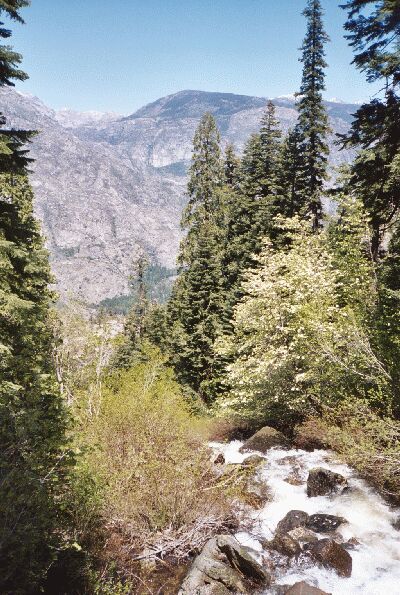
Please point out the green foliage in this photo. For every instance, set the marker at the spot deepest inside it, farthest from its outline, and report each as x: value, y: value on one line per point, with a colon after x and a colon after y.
x: 33, y: 454
x: 375, y: 36
x: 313, y: 120
x: 195, y: 308
x: 298, y: 333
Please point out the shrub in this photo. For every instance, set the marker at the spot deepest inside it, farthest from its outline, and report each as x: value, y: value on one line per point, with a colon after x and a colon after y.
x: 159, y: 493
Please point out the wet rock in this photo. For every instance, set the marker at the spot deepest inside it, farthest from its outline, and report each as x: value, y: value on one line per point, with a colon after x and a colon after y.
x: 304, y: 588
x: 396, y: 524
x: 294, y: 478
x: 209, y: 567
x: 324, y: 523
x: 223, y: 566
x: 293, y: 519
x: 253, y: 461
x: 351, y: 544
x: 285, y: 544
x: 289, y: 460
x: 257, y: 492
x: 278, y: 589
x: 219, y: 459
x: 240, y: 559
x: 332, y: 555
x: 303, y: 536
x: 264, y: 439
x: 323, y: 481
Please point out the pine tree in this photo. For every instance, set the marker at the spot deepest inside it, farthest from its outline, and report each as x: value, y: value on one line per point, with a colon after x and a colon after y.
x: 270, y: 137
x: 374, y: 32
x: 195, y: 308
x: 231, y: 166
x: 33, y: 452
x: 32, y: 419
x: 13, y: 155
x: 313, y: 120
x: 290, y: 180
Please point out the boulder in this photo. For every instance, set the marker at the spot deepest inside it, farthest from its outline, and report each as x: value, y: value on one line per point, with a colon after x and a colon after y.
x: 304, y: 588
x: 285, y: 544
x: 332, y: 555
x: 257, y: 492
x: 240, y: 559
x: 323, y: 481
x: 253, y: 461
x: 303, y: 536
x: 351, y: 544
x: 223, y: 566
x: 264, y: 439
x: 323, y: 523
x: 293, y: 519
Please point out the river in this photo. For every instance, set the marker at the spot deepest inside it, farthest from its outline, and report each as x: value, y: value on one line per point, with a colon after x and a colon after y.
x: 376, y: 560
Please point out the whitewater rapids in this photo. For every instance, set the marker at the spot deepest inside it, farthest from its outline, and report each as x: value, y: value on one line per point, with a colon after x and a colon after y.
x: 376, y: 560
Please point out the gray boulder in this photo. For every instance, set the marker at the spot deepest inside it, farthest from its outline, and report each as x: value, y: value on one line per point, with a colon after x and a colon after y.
x: 303, y: 536
x: 264, y: 439
x: 285, y: 544
x: 293, y: 519
x: 323, y: 481
x: 223, y: 564
x: 253, y: 461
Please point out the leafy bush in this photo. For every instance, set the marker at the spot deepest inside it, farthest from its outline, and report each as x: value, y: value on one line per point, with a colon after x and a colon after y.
x: 300, y: 335
x: 158, y: 490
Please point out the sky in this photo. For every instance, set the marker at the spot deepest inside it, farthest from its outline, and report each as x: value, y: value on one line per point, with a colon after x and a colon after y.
x: 118, y: 55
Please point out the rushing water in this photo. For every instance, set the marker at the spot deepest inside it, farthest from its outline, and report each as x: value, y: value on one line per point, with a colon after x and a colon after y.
x: 376, y: 560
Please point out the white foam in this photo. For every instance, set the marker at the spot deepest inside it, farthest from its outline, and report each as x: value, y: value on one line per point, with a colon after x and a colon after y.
x: 376, y: 561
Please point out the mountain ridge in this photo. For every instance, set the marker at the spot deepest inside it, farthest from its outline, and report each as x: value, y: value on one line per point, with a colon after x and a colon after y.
x: 108, y: 186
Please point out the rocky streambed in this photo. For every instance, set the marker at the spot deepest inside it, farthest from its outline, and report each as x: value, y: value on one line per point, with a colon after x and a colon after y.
x: 321, y: 529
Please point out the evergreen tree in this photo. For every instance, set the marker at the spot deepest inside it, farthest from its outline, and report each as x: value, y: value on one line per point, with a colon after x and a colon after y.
x: 313, y: 120
x: 195, y: 308
x: 290, y: 180
x: 231, y: 166
x: 270, y: 137
x: 32, y: 420
x: 374, y: 32
x: 33, y: 450
x: 13, y: 155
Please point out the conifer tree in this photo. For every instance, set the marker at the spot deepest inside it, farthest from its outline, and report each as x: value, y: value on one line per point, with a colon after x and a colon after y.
x: 290, y: 180
x: 32, y: 420
x: 270, y: 137
x: 231, y: 166
x: 33, y: 452
x: 374, y: 33
x: 195, y: 308
x: 313, y: 120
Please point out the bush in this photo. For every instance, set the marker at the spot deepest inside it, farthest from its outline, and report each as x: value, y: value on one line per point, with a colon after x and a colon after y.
x: 159, y: 493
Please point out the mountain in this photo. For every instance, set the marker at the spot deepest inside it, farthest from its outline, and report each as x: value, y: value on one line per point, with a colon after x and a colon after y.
x: 108, y: 186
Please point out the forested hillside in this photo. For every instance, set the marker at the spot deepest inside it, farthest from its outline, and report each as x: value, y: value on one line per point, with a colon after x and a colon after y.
x: 120, y: 466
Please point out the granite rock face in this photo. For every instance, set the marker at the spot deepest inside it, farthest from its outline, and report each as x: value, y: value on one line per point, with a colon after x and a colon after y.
x: 108, y: 186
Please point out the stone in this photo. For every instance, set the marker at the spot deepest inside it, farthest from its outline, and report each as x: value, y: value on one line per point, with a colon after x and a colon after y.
x: 257, y: 492
x: 303, y: 588
x: 332, y: 555
x: 264, y: 439
x: 294, y: 478
x: 324, y: 523
x: 285, y: 544
x: 321, y: 482
x: 240, y: 559
x: 213, y: 589
x: 303, y: 536
x: 293, y: 519
x: 253, y: 461
x: 209, y: 569
x: 219, y: 459
x: 351, y: 544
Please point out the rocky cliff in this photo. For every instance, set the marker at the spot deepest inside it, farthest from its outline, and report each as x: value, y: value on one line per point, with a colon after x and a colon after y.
x: 107, y: 186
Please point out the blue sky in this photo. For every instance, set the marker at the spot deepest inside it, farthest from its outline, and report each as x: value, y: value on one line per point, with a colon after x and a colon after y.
x: 117, y: 55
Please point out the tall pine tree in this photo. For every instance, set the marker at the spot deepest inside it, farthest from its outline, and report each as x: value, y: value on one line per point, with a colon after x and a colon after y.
x: 374, y: 33
x: 313, y: 120
x: 33, y: 451
x: 195, y: 308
